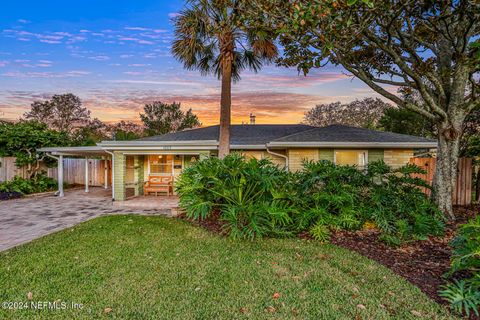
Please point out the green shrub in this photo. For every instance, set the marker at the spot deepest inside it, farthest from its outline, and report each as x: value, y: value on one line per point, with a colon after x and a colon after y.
x: 250, y: 195
x: 255, y: 198
x: 344, y: 197
x: 466, y: 247
x: 40, y: 183
x: 330, y: 196
x: 397, y: 205
x: 464, y: 295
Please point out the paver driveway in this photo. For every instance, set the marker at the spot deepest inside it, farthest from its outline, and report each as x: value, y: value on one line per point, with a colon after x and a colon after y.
x: 23, y: 220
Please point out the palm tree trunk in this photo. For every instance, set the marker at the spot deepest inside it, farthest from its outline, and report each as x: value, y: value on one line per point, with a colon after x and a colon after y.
x: 225, y: 109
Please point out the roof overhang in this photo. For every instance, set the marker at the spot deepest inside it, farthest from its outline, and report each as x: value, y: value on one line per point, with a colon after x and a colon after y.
x: 326, y: 144
x: 248, y: 147
x: 158, y: 145
x: 94, y: 151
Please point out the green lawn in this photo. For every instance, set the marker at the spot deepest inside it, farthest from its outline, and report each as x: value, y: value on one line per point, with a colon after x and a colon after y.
x: 160, y: 268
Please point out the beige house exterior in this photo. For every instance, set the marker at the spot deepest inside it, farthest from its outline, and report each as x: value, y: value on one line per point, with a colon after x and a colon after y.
x: 288, y: 146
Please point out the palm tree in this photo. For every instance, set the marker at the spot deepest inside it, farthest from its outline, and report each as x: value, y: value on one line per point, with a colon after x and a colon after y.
x: 210, y: 36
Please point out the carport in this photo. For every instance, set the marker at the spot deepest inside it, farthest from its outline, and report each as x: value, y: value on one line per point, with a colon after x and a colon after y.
x: 92, y: 152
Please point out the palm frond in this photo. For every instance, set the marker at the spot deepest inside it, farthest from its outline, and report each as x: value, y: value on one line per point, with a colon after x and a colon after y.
x: 201, y: 26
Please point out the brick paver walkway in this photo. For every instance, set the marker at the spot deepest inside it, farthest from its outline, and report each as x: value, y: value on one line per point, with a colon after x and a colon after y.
x: 23, y: 220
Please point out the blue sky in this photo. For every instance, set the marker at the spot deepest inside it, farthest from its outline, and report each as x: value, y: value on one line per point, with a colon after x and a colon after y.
x: 115, y: 55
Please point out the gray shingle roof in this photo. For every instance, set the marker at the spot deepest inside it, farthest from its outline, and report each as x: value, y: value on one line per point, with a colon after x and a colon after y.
x: 258, y: 134
x: 282, y: 136
x: 341, y: 133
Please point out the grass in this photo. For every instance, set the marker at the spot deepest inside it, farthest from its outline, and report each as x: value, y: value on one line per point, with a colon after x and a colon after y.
x: 136, y: 267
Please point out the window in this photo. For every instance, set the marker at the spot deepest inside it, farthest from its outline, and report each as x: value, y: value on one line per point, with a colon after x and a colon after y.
x: 160, y: 164
x: 351, y: 157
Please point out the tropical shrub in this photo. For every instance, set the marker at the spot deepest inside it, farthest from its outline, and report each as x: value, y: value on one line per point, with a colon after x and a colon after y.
x: 464, y: 294
x: 398, y: 207
x: 39, y: 183
x: 255, y: 198
x: 330, y: 197
x: 249, y: 194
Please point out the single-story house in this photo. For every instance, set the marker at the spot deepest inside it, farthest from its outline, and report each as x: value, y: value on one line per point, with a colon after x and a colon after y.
x: 285, y: 144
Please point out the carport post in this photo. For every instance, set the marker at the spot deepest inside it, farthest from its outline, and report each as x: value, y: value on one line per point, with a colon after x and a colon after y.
x: 60, y: 176
x: 86, y: 174
x: 106, y: 172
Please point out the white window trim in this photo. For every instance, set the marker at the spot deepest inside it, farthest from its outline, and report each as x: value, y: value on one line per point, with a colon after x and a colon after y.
x: 350, y: 150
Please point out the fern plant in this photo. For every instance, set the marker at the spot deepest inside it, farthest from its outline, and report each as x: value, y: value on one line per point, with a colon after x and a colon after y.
x: 255, y: 198
x: 464, y: 295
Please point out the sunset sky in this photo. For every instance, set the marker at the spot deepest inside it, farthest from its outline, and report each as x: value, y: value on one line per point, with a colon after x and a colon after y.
x: 115, y: 55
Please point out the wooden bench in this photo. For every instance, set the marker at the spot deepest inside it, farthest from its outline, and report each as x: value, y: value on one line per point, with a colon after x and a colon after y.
x: 156, y: 184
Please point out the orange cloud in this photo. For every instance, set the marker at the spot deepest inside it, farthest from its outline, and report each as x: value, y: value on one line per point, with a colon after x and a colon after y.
x: 115, y: 105
x: 269, y: 107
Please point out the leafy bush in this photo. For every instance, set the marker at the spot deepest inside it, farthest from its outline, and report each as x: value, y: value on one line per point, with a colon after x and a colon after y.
x: 343, y: 197
x: 39, y: 183
x: 464, y: 295
x: 397, y: 205
x: 330, y: 196
x: 255, y: 198
x: 248, y: 193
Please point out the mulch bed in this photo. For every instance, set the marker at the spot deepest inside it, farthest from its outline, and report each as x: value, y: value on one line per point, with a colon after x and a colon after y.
x: 423, y: 263
x: 10, y: 195
x: 212, y: 223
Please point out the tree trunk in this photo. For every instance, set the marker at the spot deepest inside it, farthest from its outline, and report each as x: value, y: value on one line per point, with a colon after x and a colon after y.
x: 446, y: 170
x: 477, y: 186
x: 225, y: 106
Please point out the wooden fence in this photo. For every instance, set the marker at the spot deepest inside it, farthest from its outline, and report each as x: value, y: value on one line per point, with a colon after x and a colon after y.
x: 74, y: 172
x: 462, y: 195
x: 8, y: 169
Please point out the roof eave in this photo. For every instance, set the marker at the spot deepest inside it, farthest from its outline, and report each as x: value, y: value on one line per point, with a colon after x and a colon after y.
x: 247, y: 146
x: 74, y: 151
x: 153, y: 143
x: 354, y: 144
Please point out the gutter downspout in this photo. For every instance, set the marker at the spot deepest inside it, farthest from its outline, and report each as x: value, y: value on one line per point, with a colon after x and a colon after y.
x: 278, y: 155
x: 59, y: 159
x: 113, y: 173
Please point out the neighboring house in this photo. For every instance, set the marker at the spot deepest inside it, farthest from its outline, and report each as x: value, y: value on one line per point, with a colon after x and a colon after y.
x: 287, y: 145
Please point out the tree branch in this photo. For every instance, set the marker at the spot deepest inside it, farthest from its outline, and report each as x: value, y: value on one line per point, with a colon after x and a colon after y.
x: 405, y: 68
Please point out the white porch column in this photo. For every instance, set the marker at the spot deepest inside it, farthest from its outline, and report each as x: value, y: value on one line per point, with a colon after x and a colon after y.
x: 106, y: 172
x: 60, y: 176
x: 86, y: 174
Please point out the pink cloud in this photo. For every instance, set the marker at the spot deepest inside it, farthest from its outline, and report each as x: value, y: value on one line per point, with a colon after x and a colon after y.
x: 100, y: 58
x: 145, y: 42
x: 128, y: 39
x: 137, y: 28
x: 17, y: 74
x: 50, y: 41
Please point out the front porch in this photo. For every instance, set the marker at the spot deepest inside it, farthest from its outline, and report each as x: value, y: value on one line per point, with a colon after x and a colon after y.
x: 126, y: 172
x: 132, y: 170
